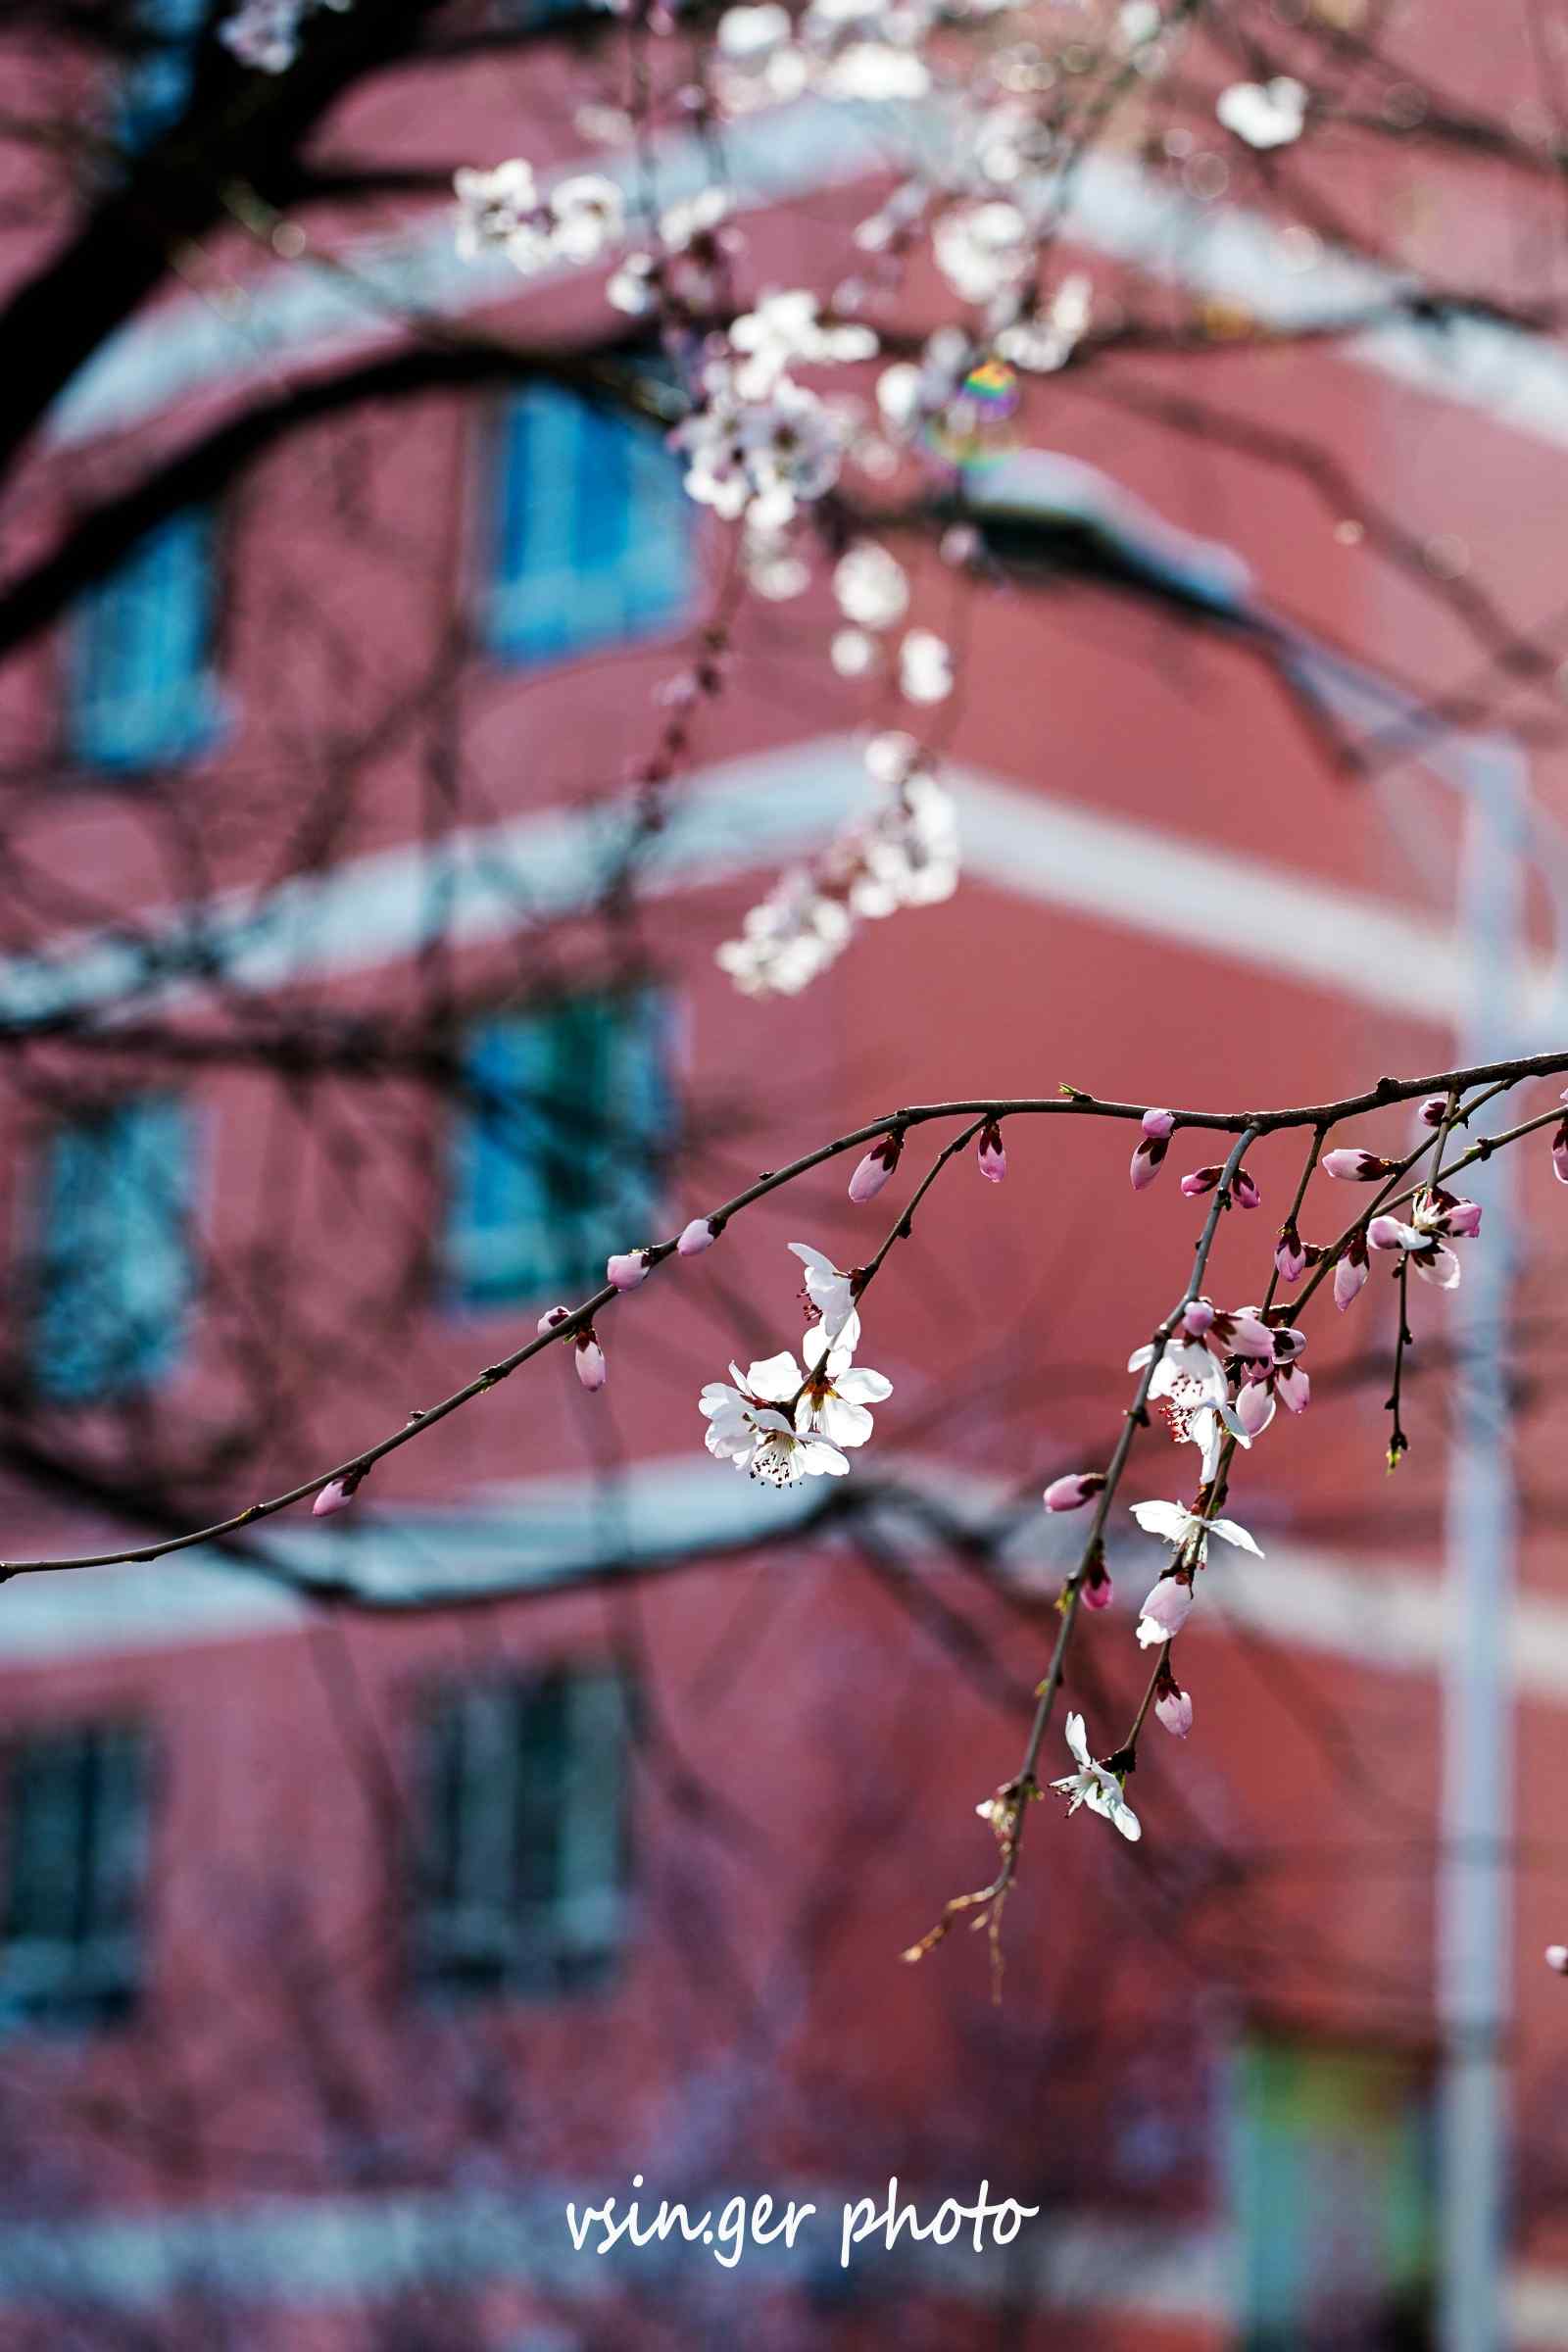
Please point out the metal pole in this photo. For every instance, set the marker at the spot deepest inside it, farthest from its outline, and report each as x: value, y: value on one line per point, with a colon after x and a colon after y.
x: 1474, y: 1922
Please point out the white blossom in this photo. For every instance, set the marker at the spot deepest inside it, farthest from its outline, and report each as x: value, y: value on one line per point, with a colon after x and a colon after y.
x: 749, y: 1424
x: 1092, y: 1785
x: 984, y: 250
x: 1264, y: 113
x: 1189, y: 1530
x: 925, y: 667
x: 832, y: 1294
x: 871, y: 586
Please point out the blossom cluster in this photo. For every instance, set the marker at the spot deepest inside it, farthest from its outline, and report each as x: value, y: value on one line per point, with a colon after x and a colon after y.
x: 572, y: 223
x: 904, y: 854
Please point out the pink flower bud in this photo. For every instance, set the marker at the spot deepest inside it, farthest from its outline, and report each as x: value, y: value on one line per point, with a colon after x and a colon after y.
x: 1174, y: 1707
x: 552, y: 1319
x: 1242, y: 1333
x: 1558, y: 1958
x: 1352, y: 1166
x: 1290, y: 1258
x: 1351, y: 1274
x: 1071, y: 1492
x: 627, y: 1269
x: 1099, y: 1589
x: 1202, y: 1180
x: 1433, y: 1110
x: 993, y: 1158
x: 336, y: 1496
x: 1167, y: 1609
x: 1559, y: 1153
x: 1148, y: 1160
x: 698, y: 1236
x: 1159, y: 1125
x: 1198, y: 1319
x: 1293, y: 1389
x: 1462, y: 1218
x: 1386, y: 1233
x: 1245, y: 1193
x: 1255, y: 1406
x: 875, y: 1168
x: 592, y: 1370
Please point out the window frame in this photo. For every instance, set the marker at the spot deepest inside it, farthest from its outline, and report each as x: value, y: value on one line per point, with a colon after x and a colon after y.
x: 160, y: 1361
x: 115, y: 731
x: 92, y: 1976
x: 474, y: 1929
x: 550, y: 1229
x: 561, y: 608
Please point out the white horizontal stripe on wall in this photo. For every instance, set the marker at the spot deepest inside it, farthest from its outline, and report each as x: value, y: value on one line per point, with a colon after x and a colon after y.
x: 539, y: 1534
x: 487, y: 883
x: 297, y: 312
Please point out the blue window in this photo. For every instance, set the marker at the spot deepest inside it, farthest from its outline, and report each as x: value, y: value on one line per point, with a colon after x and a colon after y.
x: 73, y: 1843
x: 558, y: 1153
x: 593, y: 535
x: 523, y: 1851
x: 113, y: 1263
x: 141, y: 690
x: 157, y: 86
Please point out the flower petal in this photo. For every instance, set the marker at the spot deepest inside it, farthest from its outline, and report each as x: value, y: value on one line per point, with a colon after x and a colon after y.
x: 1167, y: 1519
x: 1230, y: 1533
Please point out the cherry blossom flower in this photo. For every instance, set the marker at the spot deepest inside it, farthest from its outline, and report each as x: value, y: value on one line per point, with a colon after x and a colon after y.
x: 871, y: 586
x: 1173, y: 1705
x: 626, y: 1269
x: 1041, y: 342
x: 494, y: 206
x: 1559, y: 1151
x: 1097, y: 1590
x: 749, y: 1425
x: 1190, y: 1389
x: 1167, y: 1605
x: 832, y: 1294
x: 698, y: 1236
x: 1072, y: 1491
x: 587, y: 215
x: 1284, y: 1382
x: 925, y: 667
x: 1150, y: 1157
x: 1094, y: 1785
x: 1292, y: 1255
x: 766, y: 455
x: 905, y: 855
x: 1244, y: 1192
x: 983, y: 250
x: 1437, y: 1216
x: 1189, y: 1532
x: 836, y: 1393
x: 876, y: 1167
x: 912, y: 395
x: 1266, y: 113
x: 785, y: 327
x: 1353, y: 1167
x: 592, y: 1369
x: 1558, y: 1958
x: 992, y: 1157
x: 688, y: 268
x: 1351, y: 1273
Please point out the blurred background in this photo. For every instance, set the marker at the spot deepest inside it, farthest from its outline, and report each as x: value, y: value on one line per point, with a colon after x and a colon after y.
x: 387, y: 745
